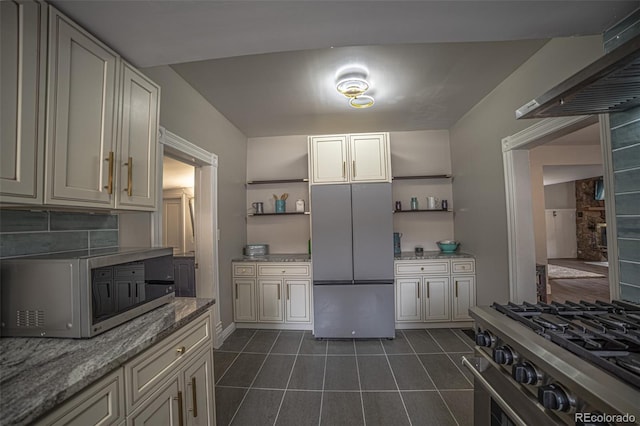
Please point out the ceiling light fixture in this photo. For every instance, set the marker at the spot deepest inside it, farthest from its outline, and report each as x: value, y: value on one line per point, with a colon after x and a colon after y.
x: 362, y: 101
x: 354, y: 89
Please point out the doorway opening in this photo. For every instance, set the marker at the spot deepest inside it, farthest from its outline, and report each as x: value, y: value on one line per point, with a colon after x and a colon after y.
x: 549, y: 144
x: 198, y: 211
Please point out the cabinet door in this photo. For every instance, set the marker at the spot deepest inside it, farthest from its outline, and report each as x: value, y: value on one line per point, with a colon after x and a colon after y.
x: 185, y: 276
x: 270, y: 301
x: 464, y: 297
x: 22, y: 83
x: 328, y: 159
x: 369, y: 157
x: 163, y: 407
x: 436, y: 298
x: 408, y: 306
x: 298, y: 300
x: 245, y: 300
x: 81, y: 111
x: 137, y: 140
x: 199, y: 392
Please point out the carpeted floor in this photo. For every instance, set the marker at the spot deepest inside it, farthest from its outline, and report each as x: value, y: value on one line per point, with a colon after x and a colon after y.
x: 560, y: 272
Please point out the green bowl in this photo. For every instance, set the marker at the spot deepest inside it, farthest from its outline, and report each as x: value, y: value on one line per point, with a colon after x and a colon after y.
x: 448, y: 246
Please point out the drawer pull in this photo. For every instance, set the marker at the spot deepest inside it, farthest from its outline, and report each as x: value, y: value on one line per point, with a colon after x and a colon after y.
x: 422, y: 268
x: 181, y: 350
x: 283, y: 272
x: 180, y: 409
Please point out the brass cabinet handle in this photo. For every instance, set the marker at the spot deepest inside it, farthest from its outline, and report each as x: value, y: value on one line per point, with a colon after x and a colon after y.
x: 353, y: 168
x: 422, y: 268
x: 428, y: 295
x: 418, y: 290
x: 109, y: 186
x: 194, y: 396
x: 344, y: 169
x: 181, y: 350
x: 288, y: 291
x: 236, y: 291
x: 278, y: 292
x: 456, y: 288
x: 180, y: 409
x: 129, y: 187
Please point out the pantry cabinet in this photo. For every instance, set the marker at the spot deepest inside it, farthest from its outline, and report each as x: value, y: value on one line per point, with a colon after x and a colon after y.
x: 350, y: 158
x: 94, y: 142
x: 434, y: 290
x: 276, y: 293
x: 22, y: 84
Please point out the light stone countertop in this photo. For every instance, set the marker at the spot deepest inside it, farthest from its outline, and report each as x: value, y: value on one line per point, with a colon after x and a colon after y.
x: 294, y: 257
x: 436, y: 254
x: 37, y: 374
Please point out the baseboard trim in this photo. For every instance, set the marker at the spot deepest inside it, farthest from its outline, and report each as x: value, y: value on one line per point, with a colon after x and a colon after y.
x: 223, y: 334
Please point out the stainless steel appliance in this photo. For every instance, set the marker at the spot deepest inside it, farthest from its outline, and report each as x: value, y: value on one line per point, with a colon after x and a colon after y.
x: 352, y: 260
x: 559, y: 363
x: 82, y: 294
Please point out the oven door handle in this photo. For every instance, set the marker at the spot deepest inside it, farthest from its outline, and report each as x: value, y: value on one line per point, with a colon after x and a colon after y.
x: 477, y: 374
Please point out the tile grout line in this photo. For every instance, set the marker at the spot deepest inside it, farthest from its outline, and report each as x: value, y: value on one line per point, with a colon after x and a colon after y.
x: 286, y: 387
x: 257, y: 374
x: 434, y: 383
x: 324, y: 379
x: 235, y: 358
x: 364, y: 417
x: 455, y: 363
x: 386, y: 355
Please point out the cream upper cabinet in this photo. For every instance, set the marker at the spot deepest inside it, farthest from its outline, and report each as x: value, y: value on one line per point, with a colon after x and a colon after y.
x: 22, y: 83
x: 370, y: 159
x: 350, y: 158
x: 137, y: 141
x: 328, y: 159
x: 81, y: 116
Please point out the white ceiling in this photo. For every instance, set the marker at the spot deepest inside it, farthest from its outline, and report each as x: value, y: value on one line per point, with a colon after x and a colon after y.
x: 559, y: 174
x: 176, y: 174
x: 420, y: 76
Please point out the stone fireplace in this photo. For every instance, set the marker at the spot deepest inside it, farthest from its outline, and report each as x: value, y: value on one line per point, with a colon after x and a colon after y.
x: 591, y: 222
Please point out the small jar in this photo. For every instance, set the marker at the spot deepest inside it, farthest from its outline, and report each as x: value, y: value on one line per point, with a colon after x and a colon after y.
x: 414, y: 203
x: 445, y: 205
x: 300, y: 206
x: 398, y: 206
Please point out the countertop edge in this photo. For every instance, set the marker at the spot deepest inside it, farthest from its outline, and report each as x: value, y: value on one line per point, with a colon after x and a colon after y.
x: 29, y: 413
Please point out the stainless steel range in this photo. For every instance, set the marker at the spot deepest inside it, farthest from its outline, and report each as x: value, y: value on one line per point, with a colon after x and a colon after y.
x: 559, y: 363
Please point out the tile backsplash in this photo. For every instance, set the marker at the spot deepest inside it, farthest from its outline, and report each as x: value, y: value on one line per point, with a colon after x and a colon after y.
x: 26, y: 232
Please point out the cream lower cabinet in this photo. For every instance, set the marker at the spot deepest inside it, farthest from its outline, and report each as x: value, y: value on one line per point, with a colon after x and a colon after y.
x: 277, y: 293
x: 170, y: 383
x: 429, y: 290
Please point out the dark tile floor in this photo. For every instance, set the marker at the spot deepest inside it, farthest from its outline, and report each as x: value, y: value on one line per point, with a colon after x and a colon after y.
x: 266, y: 377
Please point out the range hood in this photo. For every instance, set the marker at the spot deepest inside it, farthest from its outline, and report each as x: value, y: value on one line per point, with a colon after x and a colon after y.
x: 610, y: 84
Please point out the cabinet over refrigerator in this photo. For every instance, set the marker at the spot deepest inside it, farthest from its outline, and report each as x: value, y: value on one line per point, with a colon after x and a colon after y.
x: 352, y: 259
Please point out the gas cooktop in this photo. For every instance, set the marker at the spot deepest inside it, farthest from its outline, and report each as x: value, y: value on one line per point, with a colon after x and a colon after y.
x: 605, y: 334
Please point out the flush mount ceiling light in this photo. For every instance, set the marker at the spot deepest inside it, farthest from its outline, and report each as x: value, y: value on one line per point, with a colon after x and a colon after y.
x: 362, y: 101
x: 354, y: 89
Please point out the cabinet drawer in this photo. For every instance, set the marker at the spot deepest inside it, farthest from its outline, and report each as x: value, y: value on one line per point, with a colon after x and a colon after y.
x: 244, y: 270
x: 103, y: 273
x: 283, y: 270
x: 463, y: 266
x: 156, y: 364
x: 129, y: 272
x: 101, y: 403
x: 420, y: 268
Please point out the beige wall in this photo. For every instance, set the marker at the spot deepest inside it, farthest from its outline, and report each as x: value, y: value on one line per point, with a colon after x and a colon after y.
x: 186, y: 113
x: 476, y: 156
x: 560, y: 196
x: 553, y: 156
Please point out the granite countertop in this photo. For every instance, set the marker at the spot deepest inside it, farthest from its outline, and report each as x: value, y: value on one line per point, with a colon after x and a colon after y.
x: 294, y: 257
x: 37, y: 374
x: 436, y: 254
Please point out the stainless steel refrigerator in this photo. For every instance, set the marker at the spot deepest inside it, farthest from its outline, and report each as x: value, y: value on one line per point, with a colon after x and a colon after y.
x: 352, y: 260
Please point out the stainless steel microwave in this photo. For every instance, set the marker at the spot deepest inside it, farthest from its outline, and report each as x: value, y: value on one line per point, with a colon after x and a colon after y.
x: 85, y: 293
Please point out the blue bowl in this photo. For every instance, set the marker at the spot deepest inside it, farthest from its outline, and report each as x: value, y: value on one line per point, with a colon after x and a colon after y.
x: 448, y: 246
